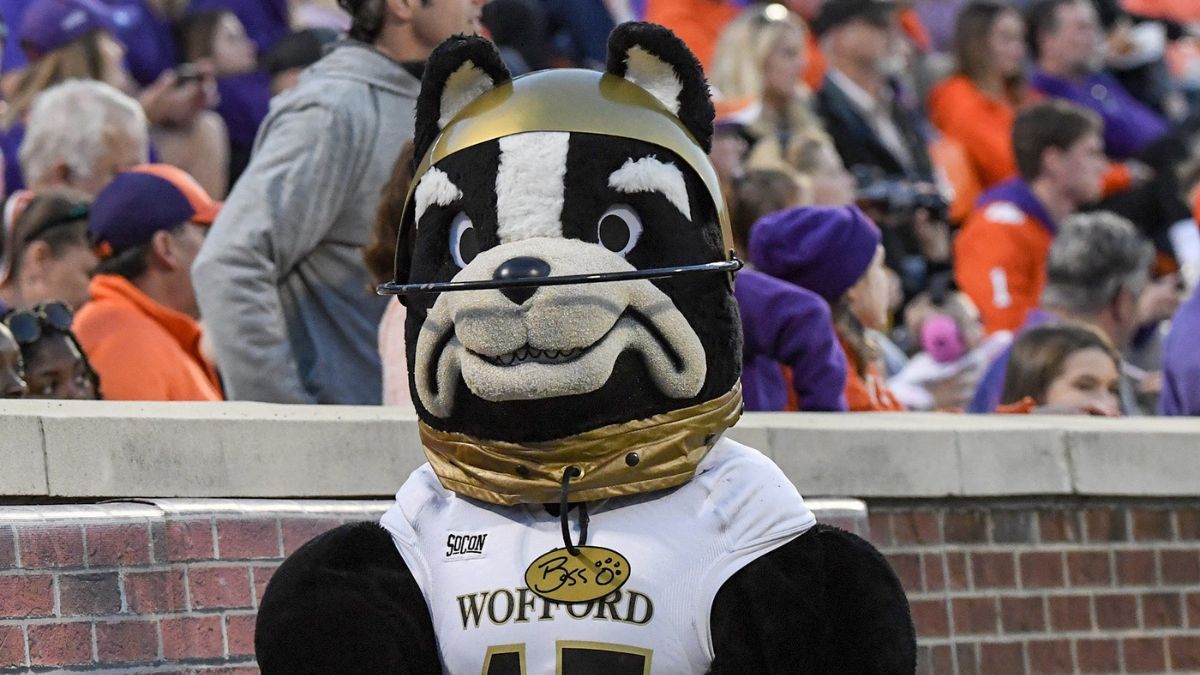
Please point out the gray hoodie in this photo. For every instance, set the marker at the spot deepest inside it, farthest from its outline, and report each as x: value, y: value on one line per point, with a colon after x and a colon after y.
x: 280, y: 279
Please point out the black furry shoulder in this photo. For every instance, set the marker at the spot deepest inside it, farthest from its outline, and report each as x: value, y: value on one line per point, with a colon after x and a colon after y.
x: 345, y: 602
x: 826, y: 602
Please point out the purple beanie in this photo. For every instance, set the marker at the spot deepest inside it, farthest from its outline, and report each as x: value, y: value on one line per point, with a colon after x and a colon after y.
x: 823, y: 249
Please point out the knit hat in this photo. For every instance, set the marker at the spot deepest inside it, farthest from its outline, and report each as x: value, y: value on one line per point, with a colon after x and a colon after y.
x: 53, y: 24
x: 824, y: 249
x: 144, y: 200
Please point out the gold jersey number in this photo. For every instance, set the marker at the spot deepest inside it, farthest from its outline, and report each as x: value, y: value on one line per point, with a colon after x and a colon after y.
x: 572, y: 658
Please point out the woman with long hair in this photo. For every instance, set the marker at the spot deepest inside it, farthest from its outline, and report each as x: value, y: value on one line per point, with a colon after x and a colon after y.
x: 1066, y: 369
x: 758, y: 64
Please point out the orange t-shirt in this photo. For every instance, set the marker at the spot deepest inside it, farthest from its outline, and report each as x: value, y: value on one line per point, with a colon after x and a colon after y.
x: 869, y: 394
x: 697, y: 22
x: 1000, y: 263
x: 1181, y: 11
x: 142, y: 350
x: 982, y: 124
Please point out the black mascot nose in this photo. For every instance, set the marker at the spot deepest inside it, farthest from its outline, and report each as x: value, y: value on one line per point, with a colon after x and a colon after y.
x: 521, y: 268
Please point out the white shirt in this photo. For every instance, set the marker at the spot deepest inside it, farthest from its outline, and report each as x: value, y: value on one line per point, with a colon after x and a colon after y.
x: 469, y: 559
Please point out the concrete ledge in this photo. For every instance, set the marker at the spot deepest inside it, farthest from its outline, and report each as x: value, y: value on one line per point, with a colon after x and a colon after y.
x: 92, y: 450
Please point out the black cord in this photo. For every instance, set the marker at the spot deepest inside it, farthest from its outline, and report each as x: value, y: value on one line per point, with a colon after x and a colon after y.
x: 563, y: 507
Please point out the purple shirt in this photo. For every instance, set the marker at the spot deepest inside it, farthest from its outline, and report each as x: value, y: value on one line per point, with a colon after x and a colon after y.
x: 991, y: 387
x: 786, y: 324
x: 1129, y: 125
x: 245, y: 100
x: 12, y: 11
x: 1181, y: 362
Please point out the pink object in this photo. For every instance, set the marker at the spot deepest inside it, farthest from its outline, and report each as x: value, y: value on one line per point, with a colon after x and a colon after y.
x: 942, y: 339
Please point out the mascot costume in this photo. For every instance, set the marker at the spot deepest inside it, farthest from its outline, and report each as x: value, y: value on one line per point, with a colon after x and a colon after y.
x: 574, y: 349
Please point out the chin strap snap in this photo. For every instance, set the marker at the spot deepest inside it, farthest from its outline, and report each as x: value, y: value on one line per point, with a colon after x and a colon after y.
x: 569, y: 473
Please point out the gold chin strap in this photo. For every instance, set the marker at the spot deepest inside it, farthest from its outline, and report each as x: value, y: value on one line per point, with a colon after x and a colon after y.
x: 621, y: 459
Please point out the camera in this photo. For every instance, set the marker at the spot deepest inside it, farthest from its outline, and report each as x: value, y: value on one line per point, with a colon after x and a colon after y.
x: 897, y: 198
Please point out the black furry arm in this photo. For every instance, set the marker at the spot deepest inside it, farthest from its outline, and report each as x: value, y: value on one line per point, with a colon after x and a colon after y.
x: 826, y: 602
x: 345, y: 602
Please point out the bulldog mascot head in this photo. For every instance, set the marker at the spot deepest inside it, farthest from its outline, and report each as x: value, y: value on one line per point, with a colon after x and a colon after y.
x: 573, y: 344
x: 566, y: 262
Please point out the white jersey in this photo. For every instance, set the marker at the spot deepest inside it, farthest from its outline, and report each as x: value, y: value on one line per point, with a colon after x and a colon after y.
x: 469, y: 559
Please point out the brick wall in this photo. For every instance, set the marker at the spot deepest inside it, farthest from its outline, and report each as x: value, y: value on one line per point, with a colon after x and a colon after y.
x: 1048, y: 587
x: 139, y: 588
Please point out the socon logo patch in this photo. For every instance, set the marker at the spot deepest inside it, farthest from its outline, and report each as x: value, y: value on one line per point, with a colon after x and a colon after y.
x: 464, y: 546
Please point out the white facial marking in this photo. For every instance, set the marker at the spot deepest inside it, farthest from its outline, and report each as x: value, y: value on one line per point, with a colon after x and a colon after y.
x: 655, y: 76
x: 530, y: 185
x: 435, y: 188
x: 463, y: 86
x: 650, y: 175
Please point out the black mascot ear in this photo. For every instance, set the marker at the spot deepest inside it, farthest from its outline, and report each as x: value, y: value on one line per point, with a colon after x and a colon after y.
x: 651, y: 57
x: 458, y: 71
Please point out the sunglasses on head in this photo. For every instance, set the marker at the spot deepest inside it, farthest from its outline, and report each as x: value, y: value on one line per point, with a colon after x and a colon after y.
x: 28, y: 325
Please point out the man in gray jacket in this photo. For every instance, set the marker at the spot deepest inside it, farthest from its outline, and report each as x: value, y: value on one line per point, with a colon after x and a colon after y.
x: 280, y: 280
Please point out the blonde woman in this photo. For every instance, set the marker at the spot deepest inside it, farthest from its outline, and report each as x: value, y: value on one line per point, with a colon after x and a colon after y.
x: 758, y: 64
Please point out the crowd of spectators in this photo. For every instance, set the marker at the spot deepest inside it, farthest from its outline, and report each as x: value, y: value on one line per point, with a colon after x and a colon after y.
x: 953, y: 205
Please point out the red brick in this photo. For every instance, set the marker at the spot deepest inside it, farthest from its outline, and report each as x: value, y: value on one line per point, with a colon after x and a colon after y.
x: 60, y: 644
x: 262, y: 575
x: 930, y: 618
x: 907, y: 567
x: 1144, y: 655
x: 974, y: 615
x: 1012, y: 527
x: 192, y: 637
x: 1004, y: 658
x: 1097, y: 656
x: 1051, y: 656
x: 1193, y: 609
x: 155, y: 592
x: 26, y: 596
x: 1089, y: 568
x: 1151, y: 525
x: 8, y: 548
x: 89, y: 594
x: 916, y: 527
x: 239, y: 631
x: 12, y: 647
x: 879, y: 524
x: 242, y: 539
x: 1189, y: 524
x: 1180, y: 567
x: 1136, y: 568
x: 219, y: 587
x: 935, y: 573
x: 1022, y: 615
x: 1070, y: 612
x: 1059, y: 526
x: 956, y: 568
x: 1041, y: 569
x: 939, y: 659
x: 118, y: 545
x: 55, y: 546
x: 188, y: 540
x: 245, y: 670
x: 993, y: 570
x: 298, y: 531
x: 1185, y: 652
x: 965, y: 527
x: 126, y: 641
x: 1116, y: 611
x: 1106, y: 525
x: 1161, y: 610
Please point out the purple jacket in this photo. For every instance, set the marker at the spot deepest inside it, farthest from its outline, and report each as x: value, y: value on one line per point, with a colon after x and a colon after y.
x: 1181, y: 362
x: 1129, y: 126
x: 788, y: 325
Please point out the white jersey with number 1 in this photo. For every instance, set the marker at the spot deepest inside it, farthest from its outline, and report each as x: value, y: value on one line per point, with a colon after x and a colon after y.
x: 681, y: 545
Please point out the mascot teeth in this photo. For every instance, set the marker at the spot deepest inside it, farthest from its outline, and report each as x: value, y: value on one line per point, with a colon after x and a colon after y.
x: 530, y: 354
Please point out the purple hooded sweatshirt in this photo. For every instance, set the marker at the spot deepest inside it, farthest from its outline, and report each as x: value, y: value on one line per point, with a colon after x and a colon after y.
x: 1181, y: 363
x: 1129, y: 126
x: 785, y: 324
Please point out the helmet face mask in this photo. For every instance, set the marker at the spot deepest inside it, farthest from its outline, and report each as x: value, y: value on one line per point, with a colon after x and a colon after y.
x: 508, y: 204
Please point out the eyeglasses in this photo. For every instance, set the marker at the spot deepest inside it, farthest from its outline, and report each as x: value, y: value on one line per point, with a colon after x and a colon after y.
x: 27, y: 325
